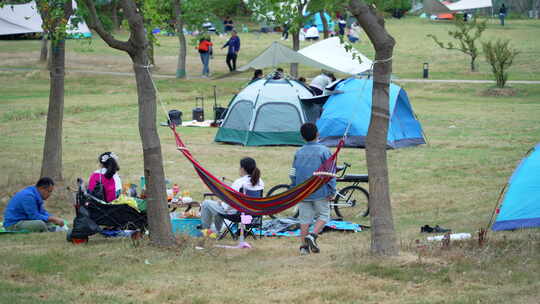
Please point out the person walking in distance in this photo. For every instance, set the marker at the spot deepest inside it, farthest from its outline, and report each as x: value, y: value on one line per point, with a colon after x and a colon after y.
x: 232, y: 53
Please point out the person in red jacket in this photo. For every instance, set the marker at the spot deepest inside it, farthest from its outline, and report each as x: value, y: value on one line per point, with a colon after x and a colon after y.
x: 205, y: 51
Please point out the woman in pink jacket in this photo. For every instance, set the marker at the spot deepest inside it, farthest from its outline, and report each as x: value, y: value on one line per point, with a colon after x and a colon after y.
x: 108, y: 176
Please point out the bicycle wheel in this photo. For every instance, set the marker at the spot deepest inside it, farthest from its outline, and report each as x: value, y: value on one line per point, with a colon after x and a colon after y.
x: 351, y: 203
x: 285, y: 213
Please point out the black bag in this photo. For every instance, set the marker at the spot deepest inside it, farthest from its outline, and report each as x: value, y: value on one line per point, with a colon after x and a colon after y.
x: 98, y: 191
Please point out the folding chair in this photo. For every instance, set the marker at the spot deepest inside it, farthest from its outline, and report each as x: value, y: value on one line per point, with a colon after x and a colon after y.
x: 233, y: 228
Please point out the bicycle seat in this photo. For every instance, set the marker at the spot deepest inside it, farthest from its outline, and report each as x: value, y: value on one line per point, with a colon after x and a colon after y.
x: 362, y: 178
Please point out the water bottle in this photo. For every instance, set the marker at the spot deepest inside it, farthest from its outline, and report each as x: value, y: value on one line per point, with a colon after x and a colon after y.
x: 143, y: 183
x: 175, y: 190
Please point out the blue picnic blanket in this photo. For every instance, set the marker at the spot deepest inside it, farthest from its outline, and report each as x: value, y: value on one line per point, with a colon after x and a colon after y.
x: 291, y: 227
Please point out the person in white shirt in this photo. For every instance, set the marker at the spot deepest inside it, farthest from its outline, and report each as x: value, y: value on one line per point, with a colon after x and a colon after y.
x: 312, y: 33
x: 354, y: 33
x: 250, y: 180
x: 319, y: 83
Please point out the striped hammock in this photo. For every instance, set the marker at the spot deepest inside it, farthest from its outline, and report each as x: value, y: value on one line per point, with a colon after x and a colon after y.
x: 262, y: 205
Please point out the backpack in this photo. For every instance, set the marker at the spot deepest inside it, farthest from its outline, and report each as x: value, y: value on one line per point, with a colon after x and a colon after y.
x: 99, y: 190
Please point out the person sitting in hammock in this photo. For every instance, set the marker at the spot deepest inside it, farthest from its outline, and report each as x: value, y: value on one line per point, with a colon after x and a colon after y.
x: 250, y: 180
x: 108, y: 177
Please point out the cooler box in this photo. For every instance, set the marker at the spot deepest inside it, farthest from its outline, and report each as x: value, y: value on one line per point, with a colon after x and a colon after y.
x: 198, y: 114
x: 186, y: 226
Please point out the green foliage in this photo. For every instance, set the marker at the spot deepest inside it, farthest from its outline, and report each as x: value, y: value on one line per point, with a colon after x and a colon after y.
x: 500, y: 56
x: 391, y: 5
x: 54, y: 21
x: 224, y: 8
x: 280, y: 12
x: 466, y: 34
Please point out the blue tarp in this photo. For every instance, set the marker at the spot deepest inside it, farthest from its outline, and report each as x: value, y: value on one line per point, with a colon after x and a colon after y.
x: 353, y: 106
x: 289, y: 227
x: 520, y: 207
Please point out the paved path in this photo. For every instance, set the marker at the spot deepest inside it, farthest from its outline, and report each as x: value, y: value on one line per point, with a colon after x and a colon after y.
x: 242, y: 78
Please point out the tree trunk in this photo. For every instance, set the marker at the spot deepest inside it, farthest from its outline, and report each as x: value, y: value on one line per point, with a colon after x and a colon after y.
x: 114, y: 15
x: 156, y: 198
x: 473, y: 64
x: 179, y: 26
x: 44, y: 48
x: 326, y: 32
x: 296, y: 47
x: 158, y: 211
x: 296, y: 34
x: 383, y: 238
x: 137, y: 48
x: 150, y: 49
x: 51, y: 165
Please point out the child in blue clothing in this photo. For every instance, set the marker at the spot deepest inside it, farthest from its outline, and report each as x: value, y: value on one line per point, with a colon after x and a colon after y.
x: 316, y: 206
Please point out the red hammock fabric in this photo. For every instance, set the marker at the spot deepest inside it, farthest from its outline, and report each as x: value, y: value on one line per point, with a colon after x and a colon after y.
x: 262, y: 205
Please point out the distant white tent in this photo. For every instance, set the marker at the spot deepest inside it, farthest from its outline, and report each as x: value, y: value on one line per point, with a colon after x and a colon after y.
x: 469, y: 4
x: 333, y: 54
x: 25, y: 18
x: 277, y: 53
x: 436, y: 7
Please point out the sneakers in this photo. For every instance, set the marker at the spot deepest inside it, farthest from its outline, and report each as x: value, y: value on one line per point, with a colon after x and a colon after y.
x: 436, y: 229
x: 304, y: 250
x: 311, y: 241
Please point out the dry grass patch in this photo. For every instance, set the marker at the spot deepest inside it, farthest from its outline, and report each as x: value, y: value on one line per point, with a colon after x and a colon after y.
x: 500, y: 92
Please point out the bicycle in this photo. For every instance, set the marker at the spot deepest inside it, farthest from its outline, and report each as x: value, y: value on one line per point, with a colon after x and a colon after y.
x: 349, y: 203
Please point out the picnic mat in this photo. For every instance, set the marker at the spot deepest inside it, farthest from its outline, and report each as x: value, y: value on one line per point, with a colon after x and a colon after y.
x: 291, y: 227
x: 4, y: 231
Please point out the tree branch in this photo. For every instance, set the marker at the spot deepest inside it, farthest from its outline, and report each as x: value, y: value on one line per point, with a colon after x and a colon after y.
x: 68, y: 10
x: 135, y: 19
x: 95, y: 24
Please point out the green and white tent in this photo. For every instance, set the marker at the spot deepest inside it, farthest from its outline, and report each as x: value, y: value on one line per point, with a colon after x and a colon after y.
x: 267, y: 112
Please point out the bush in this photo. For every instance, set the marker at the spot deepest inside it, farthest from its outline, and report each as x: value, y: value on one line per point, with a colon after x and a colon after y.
x: 500, y: 56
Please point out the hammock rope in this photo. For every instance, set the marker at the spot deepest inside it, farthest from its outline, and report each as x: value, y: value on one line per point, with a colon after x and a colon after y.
x: 261, y: 205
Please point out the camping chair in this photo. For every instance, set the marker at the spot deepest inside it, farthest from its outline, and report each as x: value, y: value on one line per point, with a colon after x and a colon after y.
x: 232, y: 227
x: 92, y: 214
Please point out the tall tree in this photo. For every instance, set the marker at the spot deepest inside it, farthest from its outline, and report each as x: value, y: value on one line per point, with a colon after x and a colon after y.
x: 55, y: 15
x: 383, y: 236
x: 137, y: 48
x: 182, y: 50
x: 326, y: 31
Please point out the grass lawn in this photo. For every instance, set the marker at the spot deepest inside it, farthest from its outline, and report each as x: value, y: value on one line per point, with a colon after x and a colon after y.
x: 475, y: 142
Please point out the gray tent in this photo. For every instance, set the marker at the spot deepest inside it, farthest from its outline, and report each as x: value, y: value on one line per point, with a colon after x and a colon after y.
x: 278, y: 53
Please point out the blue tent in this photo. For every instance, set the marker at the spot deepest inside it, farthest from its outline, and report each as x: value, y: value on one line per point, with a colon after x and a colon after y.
x: 521, y: 203
x: 316, y: 19
x: 354, y: 106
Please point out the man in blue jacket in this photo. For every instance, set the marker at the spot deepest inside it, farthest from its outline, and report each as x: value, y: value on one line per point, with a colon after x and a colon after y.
x: 316, y: 206
x: 26, y: 210
x: 232, y: 53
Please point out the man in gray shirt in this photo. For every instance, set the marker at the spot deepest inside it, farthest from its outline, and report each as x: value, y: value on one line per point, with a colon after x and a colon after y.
x: 316, y: 206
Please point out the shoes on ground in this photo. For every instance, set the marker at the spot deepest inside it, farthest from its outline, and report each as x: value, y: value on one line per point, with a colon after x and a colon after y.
x: 311, y: 240
x: 304, y: 250
x: 436, y: 229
